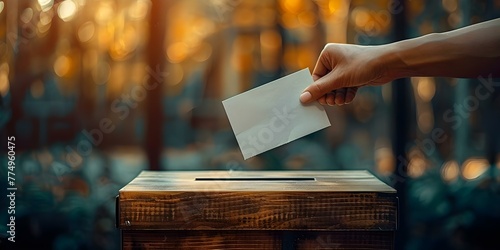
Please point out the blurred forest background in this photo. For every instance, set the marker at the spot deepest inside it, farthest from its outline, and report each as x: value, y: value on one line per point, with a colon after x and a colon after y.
x: 97, y: 90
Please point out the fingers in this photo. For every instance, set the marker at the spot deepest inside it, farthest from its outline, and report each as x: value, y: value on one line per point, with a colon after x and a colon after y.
x: 322, y: 100
x: 332, y: 77
x: 322, y: 77
x: 338, y: 97
x: 323, y: 65
x: 330, y: 99
x: 350, y: 94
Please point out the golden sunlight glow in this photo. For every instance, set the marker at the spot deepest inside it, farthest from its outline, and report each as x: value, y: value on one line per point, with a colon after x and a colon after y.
x: 203, y: 53
x: 360, y: 17
x: 308, y: 18
x: 304, y: 57
x: 333, y: 8
x: 81, y: 2
x: 46, y: 17
x: 62, y: 66
x: 1, y: 6
x: 450, y: 170
x: 4, y: 83
x: 242, y: 59
x: 104, y: 35
x: 42, y: 28
x: 139, y: 9
x: 67, y: 10
x: 426, y: 88
x: 44, y: 21
x: 202, y: 27
x: 267, y: 17
x: 245, y: 17
x: 117, y: 78
x: 86, y: 31
x: 270, y: 39
x: 138, y: 72
x: 124, y: 44
x: 4, y: 67
x: 46, y: 5
x: 384, y: 158
x: 130, y: 38
x: 370, y: 21
x: 340, y: 9
x: 177, y: 52
x: 26, y: 15
x: 176, y: 74
x: 118, y: 50
x: 293, y: 6
x: 474, y: 167
x: 104, y: 13
x: 289, y: 20
x: 416, y: 167
x: 334, y: 5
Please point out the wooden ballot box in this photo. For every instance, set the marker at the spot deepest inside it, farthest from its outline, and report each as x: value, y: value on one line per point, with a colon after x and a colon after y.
x: 257, y: 210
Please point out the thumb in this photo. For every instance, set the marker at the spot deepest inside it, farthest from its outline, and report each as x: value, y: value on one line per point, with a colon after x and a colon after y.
x: 319, y: 88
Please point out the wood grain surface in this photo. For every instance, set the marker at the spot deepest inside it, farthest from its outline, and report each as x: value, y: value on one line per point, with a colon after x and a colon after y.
x: 154, y: 239
x: 331, y: 201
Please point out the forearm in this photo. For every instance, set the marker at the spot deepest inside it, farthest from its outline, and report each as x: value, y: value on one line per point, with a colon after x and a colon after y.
x: 464, y: 53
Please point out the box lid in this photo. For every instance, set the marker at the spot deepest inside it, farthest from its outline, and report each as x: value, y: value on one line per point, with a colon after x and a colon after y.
x: 257, y: 200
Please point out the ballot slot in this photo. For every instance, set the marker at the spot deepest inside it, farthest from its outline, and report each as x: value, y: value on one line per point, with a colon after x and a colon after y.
x: 255, y: 179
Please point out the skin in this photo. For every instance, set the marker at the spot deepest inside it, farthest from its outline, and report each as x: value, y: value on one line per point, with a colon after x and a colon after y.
x: 341, y: 69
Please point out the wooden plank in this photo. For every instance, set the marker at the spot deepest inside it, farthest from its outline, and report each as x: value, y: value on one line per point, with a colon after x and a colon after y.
x: 200, y: 240
x: 337, y: 200
x: 246, y: 210
x: 345, y: 240
x: 153, y: 239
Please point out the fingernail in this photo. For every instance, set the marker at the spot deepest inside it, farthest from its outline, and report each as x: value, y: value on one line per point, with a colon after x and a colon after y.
x: 305, y: 97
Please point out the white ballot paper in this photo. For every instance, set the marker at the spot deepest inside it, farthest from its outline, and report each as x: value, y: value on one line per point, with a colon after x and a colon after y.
x: 271, y: 115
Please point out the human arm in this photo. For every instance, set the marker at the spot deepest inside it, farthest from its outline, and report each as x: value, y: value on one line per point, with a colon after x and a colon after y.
x: 342, y: 68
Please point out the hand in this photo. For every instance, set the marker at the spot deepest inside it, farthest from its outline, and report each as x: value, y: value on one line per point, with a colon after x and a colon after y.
x: 341, y: 69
